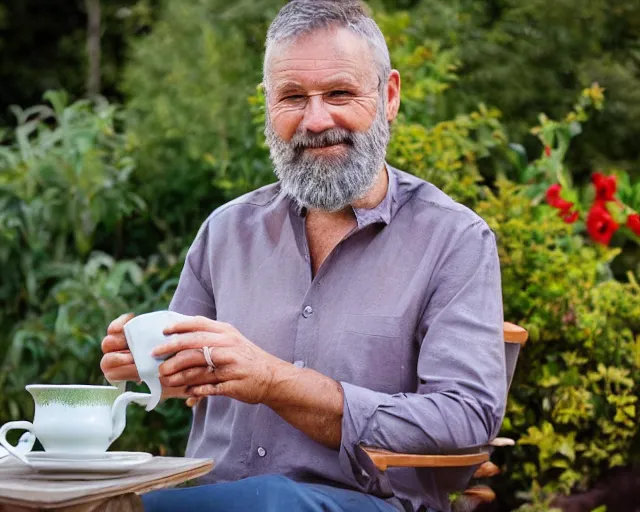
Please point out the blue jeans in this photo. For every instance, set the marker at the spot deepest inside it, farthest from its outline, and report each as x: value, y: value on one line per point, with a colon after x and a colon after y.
x: 268, y: 493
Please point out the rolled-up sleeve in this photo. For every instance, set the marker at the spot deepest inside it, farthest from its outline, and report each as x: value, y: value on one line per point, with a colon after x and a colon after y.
x: 460, y: 399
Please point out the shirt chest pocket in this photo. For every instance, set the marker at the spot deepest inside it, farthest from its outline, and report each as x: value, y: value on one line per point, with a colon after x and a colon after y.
x: 372, y: 352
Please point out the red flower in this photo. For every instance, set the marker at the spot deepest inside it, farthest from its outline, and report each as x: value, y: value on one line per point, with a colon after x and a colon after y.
x: 547, y: 151
x: 570, y: 217
x: 633, y: 223
x: 600, y: 224
x: 554, y: 199
x: 605, y: 186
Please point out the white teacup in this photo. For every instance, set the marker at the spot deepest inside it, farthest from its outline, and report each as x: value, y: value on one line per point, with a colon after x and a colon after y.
x: 74, y: 419
x: 143, y: 334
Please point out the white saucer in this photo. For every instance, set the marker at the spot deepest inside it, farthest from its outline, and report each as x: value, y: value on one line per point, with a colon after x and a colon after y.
x: 108, y: 462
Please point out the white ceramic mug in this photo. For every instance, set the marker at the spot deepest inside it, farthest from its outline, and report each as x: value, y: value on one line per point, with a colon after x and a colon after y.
x: 143, y: 334
x: 74, y: 419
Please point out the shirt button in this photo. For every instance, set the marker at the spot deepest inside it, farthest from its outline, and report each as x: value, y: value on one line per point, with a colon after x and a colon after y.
x: 307, y: 312
x: 299, y: 364
x: 261, y: 451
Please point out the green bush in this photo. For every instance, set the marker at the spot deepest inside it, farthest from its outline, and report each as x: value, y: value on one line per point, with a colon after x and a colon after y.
x: 536, y: 56
x: 65, y: 181
x: 572, y: 405
x: 63, y: 176
x: 187, y: 84
x: 447, y: 154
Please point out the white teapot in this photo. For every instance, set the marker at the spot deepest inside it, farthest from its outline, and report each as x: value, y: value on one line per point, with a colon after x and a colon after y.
x: 74, y: 419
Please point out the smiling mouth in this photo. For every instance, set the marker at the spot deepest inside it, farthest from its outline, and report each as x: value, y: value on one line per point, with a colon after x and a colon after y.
x: 327, y: 149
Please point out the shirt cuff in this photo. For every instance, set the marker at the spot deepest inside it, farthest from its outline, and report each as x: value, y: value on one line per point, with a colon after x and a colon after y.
x: 359, y: 407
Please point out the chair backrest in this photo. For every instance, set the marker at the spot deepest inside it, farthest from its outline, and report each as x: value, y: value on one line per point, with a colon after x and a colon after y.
x: 514, y: 338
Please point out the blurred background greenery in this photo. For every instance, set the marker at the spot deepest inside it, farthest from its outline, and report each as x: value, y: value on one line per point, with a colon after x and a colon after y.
x: 124, y: 123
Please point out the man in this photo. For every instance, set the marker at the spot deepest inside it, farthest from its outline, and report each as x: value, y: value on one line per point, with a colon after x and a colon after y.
x: 349, y: 304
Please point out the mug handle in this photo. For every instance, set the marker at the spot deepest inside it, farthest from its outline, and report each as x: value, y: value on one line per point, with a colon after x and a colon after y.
x: 14, y: 425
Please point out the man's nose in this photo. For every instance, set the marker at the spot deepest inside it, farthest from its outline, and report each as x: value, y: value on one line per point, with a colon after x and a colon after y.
x: 316, y: 117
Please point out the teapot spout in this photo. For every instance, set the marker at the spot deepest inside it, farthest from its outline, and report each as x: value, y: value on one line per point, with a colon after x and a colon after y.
x: 119, y: 410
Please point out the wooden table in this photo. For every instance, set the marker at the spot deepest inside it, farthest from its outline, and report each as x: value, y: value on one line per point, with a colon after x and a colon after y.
x: 22, y: 489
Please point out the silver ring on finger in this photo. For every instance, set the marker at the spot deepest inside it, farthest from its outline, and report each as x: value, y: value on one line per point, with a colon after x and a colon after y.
x: 206, y: 351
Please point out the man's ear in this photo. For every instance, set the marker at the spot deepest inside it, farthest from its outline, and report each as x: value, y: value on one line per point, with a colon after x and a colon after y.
x: 394, y: 85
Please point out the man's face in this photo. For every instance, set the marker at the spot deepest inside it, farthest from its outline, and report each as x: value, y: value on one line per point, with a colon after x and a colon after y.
x: 327, y: 122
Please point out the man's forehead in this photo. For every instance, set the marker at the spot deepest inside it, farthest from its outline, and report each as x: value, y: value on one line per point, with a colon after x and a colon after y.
x: 325, y: 51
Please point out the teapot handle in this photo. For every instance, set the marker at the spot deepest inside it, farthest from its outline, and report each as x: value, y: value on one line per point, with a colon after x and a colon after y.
x: 14, y: 425
x: 119, y: 410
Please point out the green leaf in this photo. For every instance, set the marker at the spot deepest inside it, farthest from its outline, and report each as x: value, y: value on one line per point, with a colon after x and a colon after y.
x: 520, y: 152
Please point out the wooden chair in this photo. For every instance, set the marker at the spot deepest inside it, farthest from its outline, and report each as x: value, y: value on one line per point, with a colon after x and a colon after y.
x: 515, y: 337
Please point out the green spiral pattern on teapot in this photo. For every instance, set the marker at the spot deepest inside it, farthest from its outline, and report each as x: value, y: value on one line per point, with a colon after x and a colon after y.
x: 74, y: 397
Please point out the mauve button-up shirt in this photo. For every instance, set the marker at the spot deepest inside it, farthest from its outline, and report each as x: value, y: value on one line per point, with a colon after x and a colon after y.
x: 406, y: 313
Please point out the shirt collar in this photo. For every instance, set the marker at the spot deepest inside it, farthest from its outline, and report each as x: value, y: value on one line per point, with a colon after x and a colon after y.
x: 366, y: 216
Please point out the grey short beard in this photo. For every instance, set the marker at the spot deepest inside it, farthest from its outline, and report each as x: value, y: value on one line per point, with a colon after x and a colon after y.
x: 330, y: 183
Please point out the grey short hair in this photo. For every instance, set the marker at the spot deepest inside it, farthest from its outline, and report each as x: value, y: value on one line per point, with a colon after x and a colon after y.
x: 300, y: 17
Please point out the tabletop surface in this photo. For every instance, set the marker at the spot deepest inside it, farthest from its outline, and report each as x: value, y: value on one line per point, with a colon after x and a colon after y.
x: 21, y: 485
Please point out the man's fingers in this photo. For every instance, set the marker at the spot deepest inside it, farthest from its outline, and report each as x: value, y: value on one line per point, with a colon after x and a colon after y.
x: 197, y: 323
x: 220, y: 389
x: 115, y: 360
x: 194, y: 358
x: 192, y: 401
x: 193, y: 377
x: 114, y: 343
x: 181, y: 361
x: 191, y: 340
x: 117, y: 325
x: 206, y: 390
x: 122, y: 373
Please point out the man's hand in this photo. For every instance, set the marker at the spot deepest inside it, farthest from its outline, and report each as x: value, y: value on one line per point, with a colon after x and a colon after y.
x: 308, y: 400
x: 242, y: 369
x: 117, y: 363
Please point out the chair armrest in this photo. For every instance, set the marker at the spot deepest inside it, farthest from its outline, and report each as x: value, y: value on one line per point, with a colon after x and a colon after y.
x: 487, y: 470
x: 482, y: 493
x: 384, y: 459
x: 500, y: 442
x: 514, y: 333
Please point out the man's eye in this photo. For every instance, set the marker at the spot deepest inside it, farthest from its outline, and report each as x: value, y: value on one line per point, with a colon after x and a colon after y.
x: 339, y: 94
x: 294, y: 97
